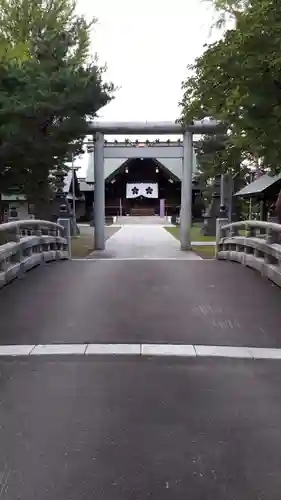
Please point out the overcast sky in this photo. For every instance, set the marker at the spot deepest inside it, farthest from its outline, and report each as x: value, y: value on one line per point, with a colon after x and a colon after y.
x: 147, y: 46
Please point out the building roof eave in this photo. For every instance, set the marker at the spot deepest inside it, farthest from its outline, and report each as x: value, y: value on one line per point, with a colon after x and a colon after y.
x: 258, y: 187
x: 112, y: 165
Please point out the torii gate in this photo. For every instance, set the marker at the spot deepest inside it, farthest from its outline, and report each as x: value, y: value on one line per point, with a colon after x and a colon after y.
x: 99, y: 129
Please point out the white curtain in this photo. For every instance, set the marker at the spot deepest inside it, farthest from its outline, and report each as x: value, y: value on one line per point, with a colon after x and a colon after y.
x: 148, y: 190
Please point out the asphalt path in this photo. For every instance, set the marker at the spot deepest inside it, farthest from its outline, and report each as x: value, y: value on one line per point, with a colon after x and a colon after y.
x: 118, y: 427
x: 131, y: 429
x: 191, y: 302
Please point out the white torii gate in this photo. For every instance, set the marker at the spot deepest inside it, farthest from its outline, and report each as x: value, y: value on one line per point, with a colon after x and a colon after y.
x: 99, y: 129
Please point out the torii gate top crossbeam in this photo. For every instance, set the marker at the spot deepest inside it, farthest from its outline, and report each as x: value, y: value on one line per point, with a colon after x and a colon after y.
x: 154, y: 128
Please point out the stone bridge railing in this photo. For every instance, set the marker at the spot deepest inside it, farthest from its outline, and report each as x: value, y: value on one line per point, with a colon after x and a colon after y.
x: 255, y: 244
x: 28, y: 243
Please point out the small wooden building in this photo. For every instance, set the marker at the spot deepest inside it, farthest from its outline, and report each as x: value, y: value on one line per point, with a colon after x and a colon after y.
x: 14, y: 205
x: 264, y: 192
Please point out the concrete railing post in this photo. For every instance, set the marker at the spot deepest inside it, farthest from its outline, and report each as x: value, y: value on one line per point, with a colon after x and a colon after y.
x: 66, y: 223
x: 272, y: 236
x: 219, y: 224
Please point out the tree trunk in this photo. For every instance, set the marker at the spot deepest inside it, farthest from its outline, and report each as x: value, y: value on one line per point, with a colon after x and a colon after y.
x: 38, y: 194
x: 42, y: 208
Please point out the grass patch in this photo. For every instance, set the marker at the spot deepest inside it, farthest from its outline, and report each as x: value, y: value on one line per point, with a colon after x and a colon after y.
x: 196, y: 234
x: 207, y: 252
x: 82, y: 246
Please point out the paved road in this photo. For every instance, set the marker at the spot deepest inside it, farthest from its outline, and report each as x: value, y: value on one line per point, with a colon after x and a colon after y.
x: 115, y: 428
x: 193, y: 302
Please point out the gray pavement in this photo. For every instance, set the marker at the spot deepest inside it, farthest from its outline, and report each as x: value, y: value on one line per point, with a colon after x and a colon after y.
x: 123, y: 429
x: 193, y: 302
x: 144, y: 242
x: 119, y: 427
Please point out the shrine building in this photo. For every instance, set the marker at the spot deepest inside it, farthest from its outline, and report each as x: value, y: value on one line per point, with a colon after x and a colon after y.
x: 141, y: 178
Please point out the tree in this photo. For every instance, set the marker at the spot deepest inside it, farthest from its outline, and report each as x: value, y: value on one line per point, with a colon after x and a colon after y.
x: 49, y: 87
x: 229, y: 10
x: 24, y: 22
x: 216, y: 154
x: 237, y: 79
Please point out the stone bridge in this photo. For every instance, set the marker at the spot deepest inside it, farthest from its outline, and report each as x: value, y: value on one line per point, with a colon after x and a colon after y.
x: 130, y: 377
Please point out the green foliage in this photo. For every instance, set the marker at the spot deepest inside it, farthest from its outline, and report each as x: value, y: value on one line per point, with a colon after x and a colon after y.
x: 237, y: 79
x: 229, y: 9
x: 217, y: 154
x: 49, y: 86
x: 25, y: 23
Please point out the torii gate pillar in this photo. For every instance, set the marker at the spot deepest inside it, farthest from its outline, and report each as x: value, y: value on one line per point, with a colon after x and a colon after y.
x: 186, y: 192
x: 99, y: 204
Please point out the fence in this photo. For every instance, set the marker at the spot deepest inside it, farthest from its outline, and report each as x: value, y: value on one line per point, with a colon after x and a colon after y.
x: 255, y: 244
x: 29, y: 243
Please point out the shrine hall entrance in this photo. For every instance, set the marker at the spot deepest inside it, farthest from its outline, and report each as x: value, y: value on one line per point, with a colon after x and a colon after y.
x: 141, y: 206
x: 142, y: 187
